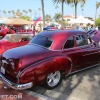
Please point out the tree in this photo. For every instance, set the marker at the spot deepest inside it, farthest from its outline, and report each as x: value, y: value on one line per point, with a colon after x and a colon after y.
x: 30, y: 12
x: 4, y: 13
x: 13, y: 13
x: 48, y: 18
x: 9, y: 13
x: 18, y: 13
x: 39, y: 11
x: 57, y: 17
x: 57, y: 8
x: 24, y: 12
x: 75, y: 2
x: 98, y: 22
x: 35, y: 12
x: 62, y: 3
x: 43, y: 12
x: 82, y: 6
x: 25, y: 18
x: 97, y: 6
x: 72, y: 6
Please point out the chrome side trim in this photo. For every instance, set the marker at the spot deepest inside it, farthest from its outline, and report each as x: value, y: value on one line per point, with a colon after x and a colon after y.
x: 84, y: 68
x: 14, y: 85
x: 91, y: 53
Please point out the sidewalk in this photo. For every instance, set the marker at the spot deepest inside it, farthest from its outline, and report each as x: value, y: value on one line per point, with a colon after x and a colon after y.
x: 10, y: 94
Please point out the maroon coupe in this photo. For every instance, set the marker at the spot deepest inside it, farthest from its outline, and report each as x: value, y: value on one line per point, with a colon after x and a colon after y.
x: 48, y: 57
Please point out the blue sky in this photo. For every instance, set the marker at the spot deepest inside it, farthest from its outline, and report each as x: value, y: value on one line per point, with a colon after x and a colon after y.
x: 89, y: 8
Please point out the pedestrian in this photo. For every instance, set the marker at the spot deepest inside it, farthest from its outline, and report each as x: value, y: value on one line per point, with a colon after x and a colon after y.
x: 81, y: 27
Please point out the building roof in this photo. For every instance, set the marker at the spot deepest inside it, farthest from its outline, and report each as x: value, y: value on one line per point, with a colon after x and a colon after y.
x: 67, y: 16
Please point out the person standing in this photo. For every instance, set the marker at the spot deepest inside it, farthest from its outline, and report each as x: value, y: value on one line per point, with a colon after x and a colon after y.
x: 81, y: 27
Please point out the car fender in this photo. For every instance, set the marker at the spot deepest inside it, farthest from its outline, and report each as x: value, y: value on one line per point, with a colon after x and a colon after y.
x: 38, y: 71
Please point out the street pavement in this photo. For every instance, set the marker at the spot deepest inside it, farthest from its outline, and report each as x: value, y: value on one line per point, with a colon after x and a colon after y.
x: 84, y: 85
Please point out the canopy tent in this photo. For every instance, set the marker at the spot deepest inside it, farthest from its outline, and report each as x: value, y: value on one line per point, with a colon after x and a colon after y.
x: 2, y: 21
x: 80, y: 19
x: 17, y: 21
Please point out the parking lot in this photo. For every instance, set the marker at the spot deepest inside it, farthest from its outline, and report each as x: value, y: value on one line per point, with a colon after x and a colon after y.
x: 84, y: 85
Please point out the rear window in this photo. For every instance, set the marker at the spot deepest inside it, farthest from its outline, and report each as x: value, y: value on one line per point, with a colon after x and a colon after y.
x: 42, y: 41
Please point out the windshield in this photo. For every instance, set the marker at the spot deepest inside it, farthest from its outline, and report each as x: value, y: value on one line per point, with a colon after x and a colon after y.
x: 42, y: 41
x: 6, y: 38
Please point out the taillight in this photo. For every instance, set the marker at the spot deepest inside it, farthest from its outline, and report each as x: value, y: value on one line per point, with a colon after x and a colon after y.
x: 19, y: 65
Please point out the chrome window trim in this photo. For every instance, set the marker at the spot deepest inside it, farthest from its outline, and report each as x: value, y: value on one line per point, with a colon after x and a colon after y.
x: 74, y: 44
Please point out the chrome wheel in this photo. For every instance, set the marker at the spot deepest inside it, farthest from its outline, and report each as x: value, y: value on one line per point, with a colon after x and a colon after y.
x: 53, y: 79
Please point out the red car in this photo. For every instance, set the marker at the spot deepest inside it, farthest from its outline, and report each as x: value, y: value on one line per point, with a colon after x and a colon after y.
x: 49, y: 56
x: 13, y: 40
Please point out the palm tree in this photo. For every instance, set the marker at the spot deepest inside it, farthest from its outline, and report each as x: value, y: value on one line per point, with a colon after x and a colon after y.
x: 35, y: 12
x: 57, y: 17
x: 97, y: 6
x: 82, y: 6
x: 75, y: 2
x: 9, y: 13
x: 39, y: 11
x: 18, y: 10
x: 43, y: 12
x: 13, y: 13
x: 48, y: 18
x: 24, y: 11
x: 30, y: 12
x: 62, y: 3
x: 72, y: 6
x: 4, y: 13
x: 57, y: 8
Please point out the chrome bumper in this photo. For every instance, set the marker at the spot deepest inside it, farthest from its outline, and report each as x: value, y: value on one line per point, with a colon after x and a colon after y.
x: 14, y: 85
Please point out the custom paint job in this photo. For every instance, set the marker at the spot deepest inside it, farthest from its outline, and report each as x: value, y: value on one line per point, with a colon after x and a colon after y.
x: 32, y: 63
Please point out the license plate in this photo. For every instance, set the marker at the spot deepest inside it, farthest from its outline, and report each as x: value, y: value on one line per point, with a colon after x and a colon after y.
x: 3, y: 70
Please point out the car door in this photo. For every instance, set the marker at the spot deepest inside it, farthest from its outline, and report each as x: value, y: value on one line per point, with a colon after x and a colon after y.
x: 71, y: 52
x: 79, y: 50
x: 87, y: 50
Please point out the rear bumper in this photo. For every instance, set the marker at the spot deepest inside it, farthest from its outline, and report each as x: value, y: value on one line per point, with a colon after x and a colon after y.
x: 14, y: 85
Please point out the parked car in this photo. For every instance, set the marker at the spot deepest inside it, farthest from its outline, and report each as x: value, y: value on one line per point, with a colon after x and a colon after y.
x: 47, y: 58
x: 13, y: 40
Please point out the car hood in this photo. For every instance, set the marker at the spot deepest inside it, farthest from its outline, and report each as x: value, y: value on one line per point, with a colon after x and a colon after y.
x: 27, y: 54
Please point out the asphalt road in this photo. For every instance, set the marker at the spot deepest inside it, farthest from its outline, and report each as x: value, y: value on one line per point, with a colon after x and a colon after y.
x: 84, y: 85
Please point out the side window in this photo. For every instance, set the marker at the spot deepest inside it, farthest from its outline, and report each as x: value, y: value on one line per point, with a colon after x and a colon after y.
x: 81, y: 40
x: 69, y: 43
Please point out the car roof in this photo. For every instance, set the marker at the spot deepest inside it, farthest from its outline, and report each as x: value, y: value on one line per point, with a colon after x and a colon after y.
x: 60, y: 36
x: 66, y: 33
x: 16, y: 37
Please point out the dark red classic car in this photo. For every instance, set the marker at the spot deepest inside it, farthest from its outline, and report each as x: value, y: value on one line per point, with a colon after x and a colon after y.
x: 49, y: 56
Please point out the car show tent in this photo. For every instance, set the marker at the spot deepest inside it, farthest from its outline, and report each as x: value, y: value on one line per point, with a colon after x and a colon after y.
x: 80, y: 19
x: 17, y: 21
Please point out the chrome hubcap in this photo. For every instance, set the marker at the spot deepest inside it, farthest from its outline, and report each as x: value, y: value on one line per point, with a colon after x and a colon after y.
x: 53, y: 79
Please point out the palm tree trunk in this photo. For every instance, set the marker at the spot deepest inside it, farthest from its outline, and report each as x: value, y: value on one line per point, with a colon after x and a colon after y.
x: 75, y: 10
x: 42, y: 3
x: 62, y: 13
